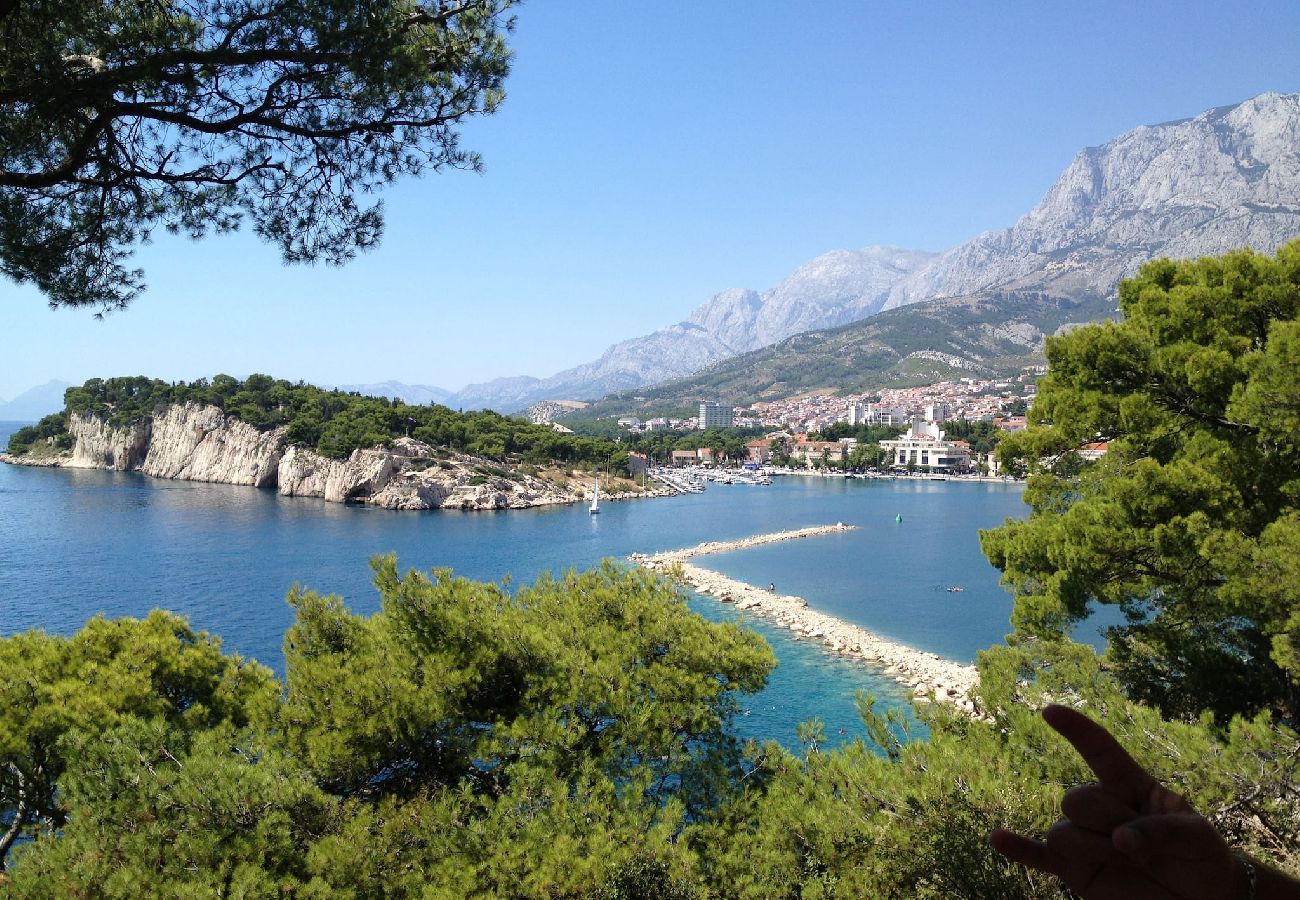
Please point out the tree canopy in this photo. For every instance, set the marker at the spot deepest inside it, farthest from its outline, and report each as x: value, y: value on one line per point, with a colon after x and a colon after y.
x: 568, y: 738
x: 1190, y: 522
x: 119, y: 117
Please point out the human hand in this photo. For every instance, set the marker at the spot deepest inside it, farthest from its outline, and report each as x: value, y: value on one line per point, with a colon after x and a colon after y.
x: 1127, y: 835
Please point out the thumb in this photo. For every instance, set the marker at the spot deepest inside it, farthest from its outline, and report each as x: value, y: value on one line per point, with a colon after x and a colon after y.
x: 1149, y: 839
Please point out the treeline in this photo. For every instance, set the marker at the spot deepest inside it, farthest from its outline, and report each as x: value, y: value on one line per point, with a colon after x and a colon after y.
x: 333, y: 423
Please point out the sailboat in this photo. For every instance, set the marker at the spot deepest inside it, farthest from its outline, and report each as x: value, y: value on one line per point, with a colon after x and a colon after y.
x: 595, y: 499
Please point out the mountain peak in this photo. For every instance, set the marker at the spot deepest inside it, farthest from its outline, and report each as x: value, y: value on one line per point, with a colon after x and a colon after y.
x: 1224, y: 178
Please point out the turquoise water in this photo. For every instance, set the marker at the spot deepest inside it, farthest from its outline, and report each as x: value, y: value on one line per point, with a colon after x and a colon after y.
x: 74, y: 543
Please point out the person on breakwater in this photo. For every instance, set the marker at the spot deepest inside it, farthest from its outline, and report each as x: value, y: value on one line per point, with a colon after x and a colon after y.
x: 771, y: 588
x: 1128, y: 836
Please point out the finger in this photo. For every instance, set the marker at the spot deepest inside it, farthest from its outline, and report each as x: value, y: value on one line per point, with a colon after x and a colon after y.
x: 1026, y: 851
x: 1110, y: 762
x: 1094, y: 807
x: 1083, y: 847
x: 1180, y: 836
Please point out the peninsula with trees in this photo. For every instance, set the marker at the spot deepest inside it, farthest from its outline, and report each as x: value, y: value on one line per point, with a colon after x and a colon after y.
x: 305, y: 441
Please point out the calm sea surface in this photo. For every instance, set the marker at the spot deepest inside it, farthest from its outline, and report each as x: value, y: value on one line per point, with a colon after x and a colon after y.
x: 74, y: 543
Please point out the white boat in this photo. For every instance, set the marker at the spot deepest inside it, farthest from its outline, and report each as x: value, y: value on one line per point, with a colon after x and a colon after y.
x: 595, y: 499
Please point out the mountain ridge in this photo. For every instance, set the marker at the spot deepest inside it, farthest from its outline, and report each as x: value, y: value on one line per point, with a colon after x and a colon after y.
x: 1224, y: 178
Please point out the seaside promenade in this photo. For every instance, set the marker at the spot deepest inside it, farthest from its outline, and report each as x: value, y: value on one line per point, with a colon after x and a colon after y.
x: 927, y: 674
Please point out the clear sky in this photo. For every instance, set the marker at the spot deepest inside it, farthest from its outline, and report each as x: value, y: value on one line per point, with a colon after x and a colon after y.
x: 649, y: 155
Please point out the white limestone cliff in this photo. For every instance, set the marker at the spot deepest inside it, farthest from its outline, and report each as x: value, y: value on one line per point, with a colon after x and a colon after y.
x: 193, y: 442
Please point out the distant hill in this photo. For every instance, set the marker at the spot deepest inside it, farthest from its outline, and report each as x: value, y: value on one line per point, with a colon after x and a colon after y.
x: 413, y: 394
x: 983, y: 336
x: 837, y: 287
x: 32, y: 404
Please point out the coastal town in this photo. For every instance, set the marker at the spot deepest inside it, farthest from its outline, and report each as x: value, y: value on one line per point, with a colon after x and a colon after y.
x: 923, y: 429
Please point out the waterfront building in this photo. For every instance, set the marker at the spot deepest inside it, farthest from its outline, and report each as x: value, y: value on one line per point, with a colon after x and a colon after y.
x: 638, y: 465
x: 924, y: 447
x: 714, y: 415
x: 685, y: 458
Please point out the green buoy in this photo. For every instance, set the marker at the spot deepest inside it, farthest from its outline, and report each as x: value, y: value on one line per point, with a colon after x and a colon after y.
x: 898, y: 518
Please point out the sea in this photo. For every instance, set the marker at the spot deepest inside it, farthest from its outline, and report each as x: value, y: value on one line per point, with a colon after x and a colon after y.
x: 76, y: 543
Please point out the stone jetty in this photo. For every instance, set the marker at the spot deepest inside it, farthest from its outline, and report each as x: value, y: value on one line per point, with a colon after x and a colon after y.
x: 928, y: 675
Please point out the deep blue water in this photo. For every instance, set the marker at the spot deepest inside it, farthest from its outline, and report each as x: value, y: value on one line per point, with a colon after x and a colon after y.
x: 74, y: 543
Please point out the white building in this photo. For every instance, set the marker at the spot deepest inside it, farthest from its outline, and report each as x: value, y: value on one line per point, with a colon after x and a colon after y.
x: 714, y: 415
x: 924, y: 447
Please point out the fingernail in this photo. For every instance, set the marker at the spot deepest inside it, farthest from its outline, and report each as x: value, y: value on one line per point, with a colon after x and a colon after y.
x: 1128, y: 839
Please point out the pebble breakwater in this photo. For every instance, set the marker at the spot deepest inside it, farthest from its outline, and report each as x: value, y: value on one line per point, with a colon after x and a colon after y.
x: 928, y: 675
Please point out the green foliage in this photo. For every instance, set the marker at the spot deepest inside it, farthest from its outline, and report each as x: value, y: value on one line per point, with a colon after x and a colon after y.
x: 1191, y: 522
x: 119, y: 118
x: 570, y: 739
x: 53, y: 428
x: 53, y: 689
x: 983, y: 436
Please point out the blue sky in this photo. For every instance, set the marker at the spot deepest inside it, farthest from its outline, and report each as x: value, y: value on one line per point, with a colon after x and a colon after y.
x: 651, y: 154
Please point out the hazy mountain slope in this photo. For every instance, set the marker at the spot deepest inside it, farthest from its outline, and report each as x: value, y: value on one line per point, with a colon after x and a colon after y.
x: 32, y: 404
x: 1229, y: 177
x: 833, y: 289
x: 838, y: 287
x: 413, y: 394
x: 677, y: 349
x: 982, y: 336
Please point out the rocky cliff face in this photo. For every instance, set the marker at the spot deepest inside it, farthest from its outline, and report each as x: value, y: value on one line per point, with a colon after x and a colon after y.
x: 100, y: 447
x: 201, y: 443
x: 1227, y: 178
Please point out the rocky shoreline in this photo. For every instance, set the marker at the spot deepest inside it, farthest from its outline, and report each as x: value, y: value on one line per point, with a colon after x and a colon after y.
x: 928, y: 675
x: 193, y: 442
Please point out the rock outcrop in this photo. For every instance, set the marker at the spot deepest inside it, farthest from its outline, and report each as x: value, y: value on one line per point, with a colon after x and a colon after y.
x: 1223, y: 179
x: 193, y: 442
x: 98, y: 445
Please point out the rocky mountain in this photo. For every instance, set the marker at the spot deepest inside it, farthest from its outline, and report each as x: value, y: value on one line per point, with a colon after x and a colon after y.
x: 835, y: 288
x: 981, y: 336
x: 1229, y: 177
x: 30, y: 405
x: 840, y: 286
